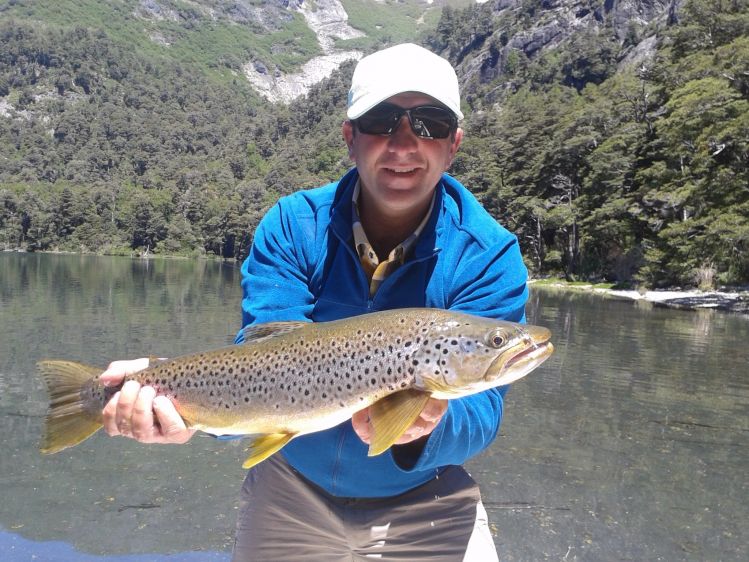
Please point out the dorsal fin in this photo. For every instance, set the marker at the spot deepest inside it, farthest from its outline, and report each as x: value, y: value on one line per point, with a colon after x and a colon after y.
x: 258, y: 332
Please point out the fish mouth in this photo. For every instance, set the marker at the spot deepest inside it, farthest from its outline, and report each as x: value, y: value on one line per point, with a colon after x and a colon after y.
x: 537, y: 351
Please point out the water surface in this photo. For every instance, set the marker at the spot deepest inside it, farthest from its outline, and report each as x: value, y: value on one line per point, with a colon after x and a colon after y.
x: 630, y: 443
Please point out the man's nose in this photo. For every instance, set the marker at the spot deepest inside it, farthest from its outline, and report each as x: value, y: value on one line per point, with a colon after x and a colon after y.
x: 403, y: 138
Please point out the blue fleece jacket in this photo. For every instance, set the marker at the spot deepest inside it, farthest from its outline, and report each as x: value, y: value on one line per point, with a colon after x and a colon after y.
x: 302, y: 266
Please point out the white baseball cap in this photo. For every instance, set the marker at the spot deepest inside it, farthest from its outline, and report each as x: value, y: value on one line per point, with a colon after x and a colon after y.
x: 402, y: 68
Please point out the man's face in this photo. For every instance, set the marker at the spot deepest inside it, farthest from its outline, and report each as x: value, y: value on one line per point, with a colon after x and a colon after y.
x: 400, y: 171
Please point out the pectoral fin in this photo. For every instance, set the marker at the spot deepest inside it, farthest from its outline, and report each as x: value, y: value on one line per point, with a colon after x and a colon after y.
x: 392, y: 416
x: 264, y: 446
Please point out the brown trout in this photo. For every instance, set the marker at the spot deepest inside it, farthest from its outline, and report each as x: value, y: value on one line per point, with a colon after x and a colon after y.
x: 292, y: 378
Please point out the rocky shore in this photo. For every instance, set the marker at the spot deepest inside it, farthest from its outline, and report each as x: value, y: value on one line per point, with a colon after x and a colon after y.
x: 734, y: 300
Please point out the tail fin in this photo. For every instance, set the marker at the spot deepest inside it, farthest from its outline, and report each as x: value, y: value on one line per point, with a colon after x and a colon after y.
x: 70, y: 419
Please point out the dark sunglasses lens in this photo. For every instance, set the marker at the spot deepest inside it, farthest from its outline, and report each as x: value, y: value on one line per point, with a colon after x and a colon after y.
x: 426, y: 121
x: 432, y: 122
x: 380, y: 120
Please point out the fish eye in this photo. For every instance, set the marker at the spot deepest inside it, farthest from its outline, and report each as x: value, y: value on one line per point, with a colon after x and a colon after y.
x: 496, y: 340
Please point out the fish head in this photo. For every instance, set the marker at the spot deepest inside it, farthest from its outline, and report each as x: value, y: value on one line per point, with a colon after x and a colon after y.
x: 474, y: 354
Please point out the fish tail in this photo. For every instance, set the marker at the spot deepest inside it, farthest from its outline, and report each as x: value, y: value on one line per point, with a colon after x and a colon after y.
x: 70, y: 418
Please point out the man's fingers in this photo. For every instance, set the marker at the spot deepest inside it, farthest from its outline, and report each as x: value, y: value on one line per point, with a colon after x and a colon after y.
x: 109, y: 416
x: 125, y: 405
x: 434, y: 410
x: 142, y: 419
x: 361, y: 424
x: 117, y: 370
x: 424, y: 425
x: 172, y: 425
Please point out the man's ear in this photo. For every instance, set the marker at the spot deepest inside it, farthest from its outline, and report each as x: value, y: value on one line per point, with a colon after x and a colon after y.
x: 454, y: 145
x: 348, y: 131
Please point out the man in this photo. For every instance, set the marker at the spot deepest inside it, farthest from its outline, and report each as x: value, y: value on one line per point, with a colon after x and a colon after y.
x: 394, y: 232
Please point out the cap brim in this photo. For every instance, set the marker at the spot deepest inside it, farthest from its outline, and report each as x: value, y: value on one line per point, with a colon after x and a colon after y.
x: 365, y: 103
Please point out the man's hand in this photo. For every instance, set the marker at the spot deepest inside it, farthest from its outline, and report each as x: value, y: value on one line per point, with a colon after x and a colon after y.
x: 136, y: 412
x: 424, y: 425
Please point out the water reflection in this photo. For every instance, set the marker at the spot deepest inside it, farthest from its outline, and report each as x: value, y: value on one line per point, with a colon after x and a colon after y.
x: 15, y: 548
x: 630, y: 442
x: 109, y: 496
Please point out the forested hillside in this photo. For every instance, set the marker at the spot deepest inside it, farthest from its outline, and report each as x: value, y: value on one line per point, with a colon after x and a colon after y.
x: 607, y: 161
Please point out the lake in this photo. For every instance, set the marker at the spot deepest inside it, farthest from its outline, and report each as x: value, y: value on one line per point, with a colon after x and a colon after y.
x: 630, y: 443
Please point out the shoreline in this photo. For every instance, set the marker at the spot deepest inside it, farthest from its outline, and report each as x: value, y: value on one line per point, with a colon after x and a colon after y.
x: 735, y: 301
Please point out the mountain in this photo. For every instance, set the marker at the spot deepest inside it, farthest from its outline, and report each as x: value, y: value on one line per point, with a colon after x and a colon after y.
x: 610, y: 135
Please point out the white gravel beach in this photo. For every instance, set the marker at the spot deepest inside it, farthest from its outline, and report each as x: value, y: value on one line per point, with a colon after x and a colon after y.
x: 729, y: 300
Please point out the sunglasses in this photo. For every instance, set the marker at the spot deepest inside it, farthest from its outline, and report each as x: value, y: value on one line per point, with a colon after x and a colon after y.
x: 427, y: 121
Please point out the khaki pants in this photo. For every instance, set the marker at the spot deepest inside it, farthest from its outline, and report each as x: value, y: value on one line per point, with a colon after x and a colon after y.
x: 283, y: 517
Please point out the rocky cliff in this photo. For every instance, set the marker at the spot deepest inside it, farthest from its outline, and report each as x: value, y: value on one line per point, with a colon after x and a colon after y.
x: 329, y: 21
x: 523, y: 29
x: 501, y: 30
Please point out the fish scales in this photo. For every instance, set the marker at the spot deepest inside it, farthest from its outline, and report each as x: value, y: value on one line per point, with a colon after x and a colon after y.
x: 292, y: 378
x: 297, y: 373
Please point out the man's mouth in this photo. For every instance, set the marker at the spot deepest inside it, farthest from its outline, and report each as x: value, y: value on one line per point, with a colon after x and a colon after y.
x: 401, y: 170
